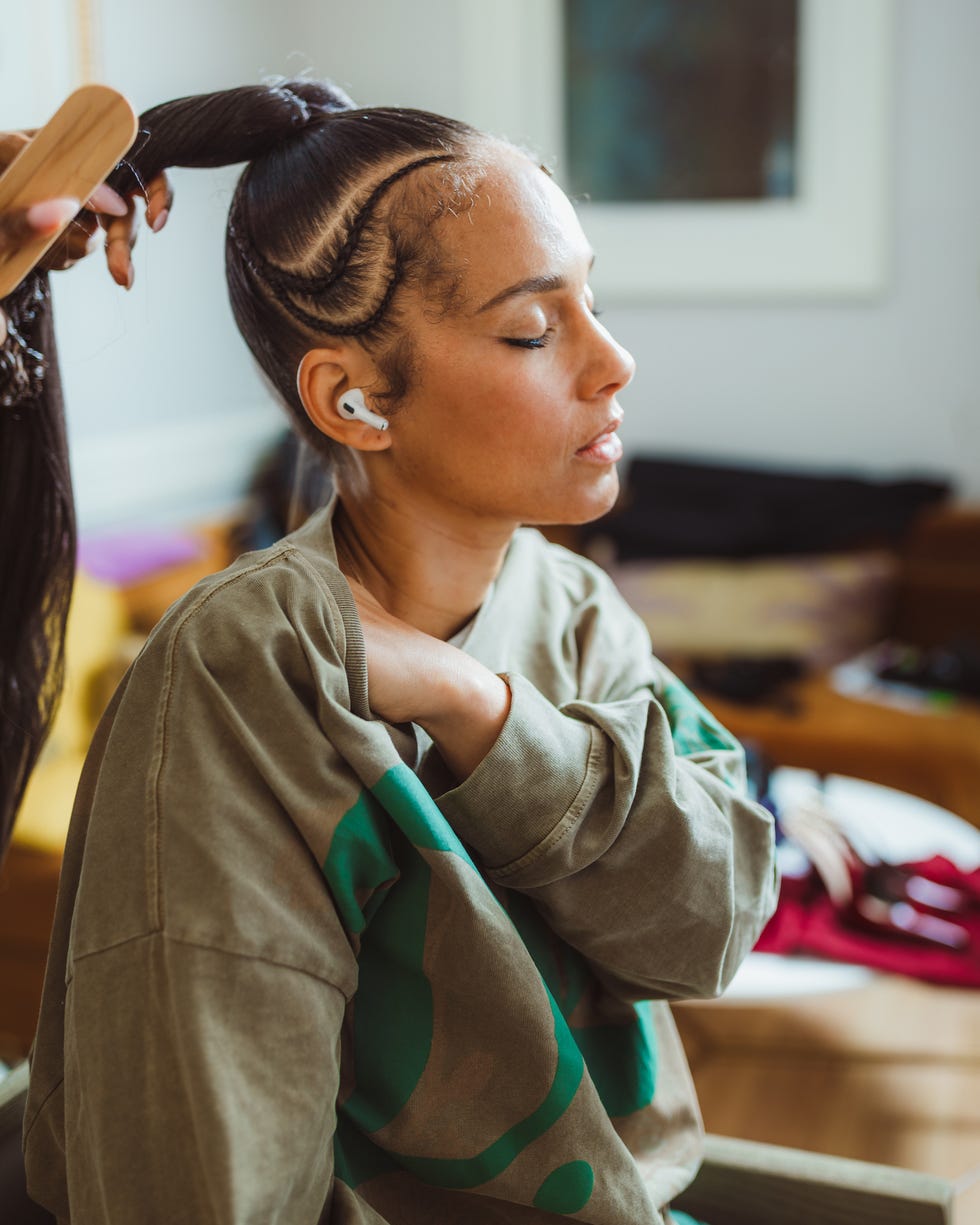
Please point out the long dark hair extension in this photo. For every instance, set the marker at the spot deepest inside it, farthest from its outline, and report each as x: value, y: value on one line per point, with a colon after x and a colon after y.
x: 37, y: 540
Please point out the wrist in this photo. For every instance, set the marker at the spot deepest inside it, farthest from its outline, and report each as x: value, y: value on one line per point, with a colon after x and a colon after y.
x: 467, y: 713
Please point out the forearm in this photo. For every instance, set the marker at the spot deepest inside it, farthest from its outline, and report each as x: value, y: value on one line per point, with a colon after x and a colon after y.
x: 414, y: 677
x: 649, y: 864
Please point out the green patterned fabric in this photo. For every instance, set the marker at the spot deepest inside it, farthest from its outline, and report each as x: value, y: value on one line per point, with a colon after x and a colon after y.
x: 393, y: 1022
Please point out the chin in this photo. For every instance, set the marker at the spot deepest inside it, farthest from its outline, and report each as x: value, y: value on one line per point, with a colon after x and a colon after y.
x: 590, y: 504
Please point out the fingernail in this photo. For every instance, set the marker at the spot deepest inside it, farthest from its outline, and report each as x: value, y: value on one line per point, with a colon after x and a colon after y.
x: 160, y: 220
x: 51, y: 215
x: 130, y: 276
x: 105, y: 200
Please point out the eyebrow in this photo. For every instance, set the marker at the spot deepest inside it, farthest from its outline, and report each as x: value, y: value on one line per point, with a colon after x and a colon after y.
x: 533, y: 284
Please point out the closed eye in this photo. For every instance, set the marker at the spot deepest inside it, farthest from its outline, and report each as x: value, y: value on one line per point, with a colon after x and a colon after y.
x: 529, y: 342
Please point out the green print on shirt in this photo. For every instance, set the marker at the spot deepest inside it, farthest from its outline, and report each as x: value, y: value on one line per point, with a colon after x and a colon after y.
x: 360, y: 862
x: 566, y: 1189
x: 621, y: 1058
x: 393, y: 1008
x: 693, y: 729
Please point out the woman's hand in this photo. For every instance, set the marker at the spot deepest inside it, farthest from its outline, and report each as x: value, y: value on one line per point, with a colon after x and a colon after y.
x: 121, y: 229
x: 105, y: 207
x: 415, y: 678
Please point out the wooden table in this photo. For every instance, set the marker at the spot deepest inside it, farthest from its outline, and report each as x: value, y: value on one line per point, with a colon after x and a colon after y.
x: 935, y: 755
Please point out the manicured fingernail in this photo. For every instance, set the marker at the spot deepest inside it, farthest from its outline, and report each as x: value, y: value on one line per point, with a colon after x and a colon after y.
x: 51, y: 215
x: 105, y: 200
x: 130, y: 276
x: 160, y: 220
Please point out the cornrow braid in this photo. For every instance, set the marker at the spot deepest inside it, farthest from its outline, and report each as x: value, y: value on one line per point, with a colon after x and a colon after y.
x: 360, y: 328
x: 290, y: 282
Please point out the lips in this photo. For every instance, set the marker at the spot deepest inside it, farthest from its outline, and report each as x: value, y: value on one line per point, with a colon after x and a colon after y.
x: 605, y: 446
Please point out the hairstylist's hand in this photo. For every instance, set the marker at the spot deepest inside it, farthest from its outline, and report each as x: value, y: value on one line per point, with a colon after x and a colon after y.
x: 415, y: 678
x: 121, y: 228
x: 105, y: 207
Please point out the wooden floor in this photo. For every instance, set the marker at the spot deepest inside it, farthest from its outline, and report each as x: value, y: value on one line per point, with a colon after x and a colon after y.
x: 888, y: 1073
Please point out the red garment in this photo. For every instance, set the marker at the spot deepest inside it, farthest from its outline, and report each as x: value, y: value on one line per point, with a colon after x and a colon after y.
x: 806, y: 921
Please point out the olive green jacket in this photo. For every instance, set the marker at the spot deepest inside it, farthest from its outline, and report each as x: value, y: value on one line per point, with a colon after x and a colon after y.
x: 298, y: 975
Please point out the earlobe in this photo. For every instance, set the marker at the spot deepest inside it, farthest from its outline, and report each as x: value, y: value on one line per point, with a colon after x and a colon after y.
x: 327, y: 385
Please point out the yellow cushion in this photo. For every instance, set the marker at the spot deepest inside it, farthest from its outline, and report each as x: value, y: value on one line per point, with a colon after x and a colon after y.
x: 97, y: 625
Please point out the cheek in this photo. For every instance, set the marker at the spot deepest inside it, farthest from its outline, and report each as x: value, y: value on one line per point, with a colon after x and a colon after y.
x: 481, y: 409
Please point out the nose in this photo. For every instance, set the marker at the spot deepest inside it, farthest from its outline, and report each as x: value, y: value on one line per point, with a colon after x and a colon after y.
x: 610, y: 368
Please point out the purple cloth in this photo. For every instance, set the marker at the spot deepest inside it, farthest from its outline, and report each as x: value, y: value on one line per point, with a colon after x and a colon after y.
x: 121, y: 558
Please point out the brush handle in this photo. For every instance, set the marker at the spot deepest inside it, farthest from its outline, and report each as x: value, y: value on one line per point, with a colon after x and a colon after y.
x: 69, y: 157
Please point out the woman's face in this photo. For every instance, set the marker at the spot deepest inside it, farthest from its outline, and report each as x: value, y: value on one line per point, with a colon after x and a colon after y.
x: 512, y: 411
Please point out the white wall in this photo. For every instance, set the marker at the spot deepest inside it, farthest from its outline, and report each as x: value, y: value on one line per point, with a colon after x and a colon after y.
x: 166, y: 412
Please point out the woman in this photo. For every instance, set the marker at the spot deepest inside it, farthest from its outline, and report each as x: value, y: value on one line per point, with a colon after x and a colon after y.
x: 391, y: 826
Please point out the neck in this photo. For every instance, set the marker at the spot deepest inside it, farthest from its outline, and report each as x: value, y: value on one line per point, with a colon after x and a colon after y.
x: 423, y: 567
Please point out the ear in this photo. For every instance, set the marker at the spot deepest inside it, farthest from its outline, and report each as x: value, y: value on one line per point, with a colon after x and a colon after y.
x: 322, y: 378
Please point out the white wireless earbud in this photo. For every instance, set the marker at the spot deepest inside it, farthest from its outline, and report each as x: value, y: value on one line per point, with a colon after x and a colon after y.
x: 351, y: 404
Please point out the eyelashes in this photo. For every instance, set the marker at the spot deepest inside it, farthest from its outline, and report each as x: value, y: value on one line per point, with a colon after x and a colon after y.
x: 539, y: 342
x: 529, y: 342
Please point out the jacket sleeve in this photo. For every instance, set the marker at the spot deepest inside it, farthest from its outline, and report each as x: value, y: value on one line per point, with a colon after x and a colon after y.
x: 624, y: 815
x: 208, y: 971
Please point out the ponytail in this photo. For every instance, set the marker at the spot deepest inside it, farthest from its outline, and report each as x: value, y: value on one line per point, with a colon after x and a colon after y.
x: 224, y: 128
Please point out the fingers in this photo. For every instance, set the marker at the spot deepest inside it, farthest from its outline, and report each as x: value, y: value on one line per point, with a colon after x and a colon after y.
x: 121, y: 231
x: 105, y: 200
x: 15, y: 230
x: 21, y: 225
x: 74, y: 244
x: 119, y: 241
x: 159, y: 201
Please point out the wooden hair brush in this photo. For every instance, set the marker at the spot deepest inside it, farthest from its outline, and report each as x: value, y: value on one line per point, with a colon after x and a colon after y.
x: 69, y: 157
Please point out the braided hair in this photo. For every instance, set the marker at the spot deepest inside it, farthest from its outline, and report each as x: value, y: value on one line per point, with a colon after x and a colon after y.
x: 331, y: 217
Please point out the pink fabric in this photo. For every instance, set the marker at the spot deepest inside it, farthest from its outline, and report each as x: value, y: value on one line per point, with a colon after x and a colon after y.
x: 806, y: 921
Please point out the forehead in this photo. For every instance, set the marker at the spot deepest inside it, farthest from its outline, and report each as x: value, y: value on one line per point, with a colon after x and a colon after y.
x: 520, y: 225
